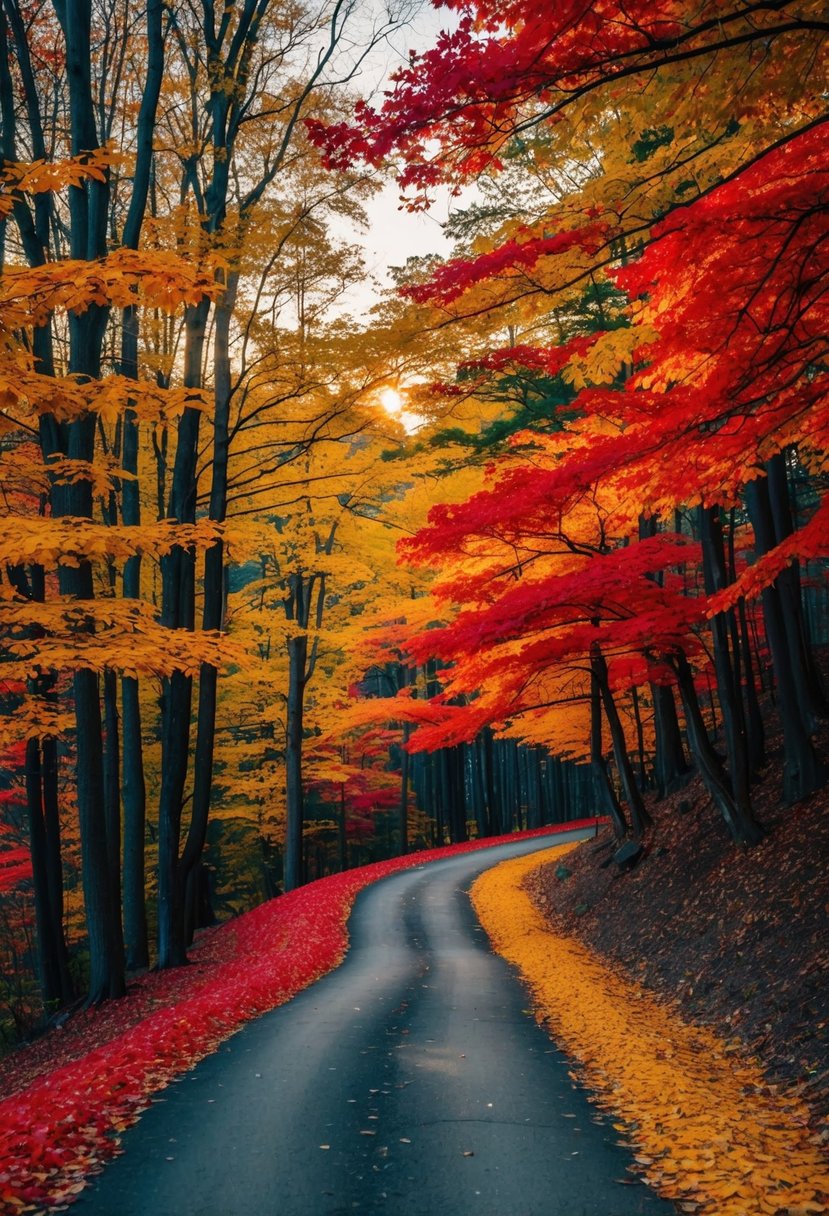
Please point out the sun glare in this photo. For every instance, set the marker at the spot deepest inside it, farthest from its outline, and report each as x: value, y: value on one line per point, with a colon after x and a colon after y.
x: 391, y: 400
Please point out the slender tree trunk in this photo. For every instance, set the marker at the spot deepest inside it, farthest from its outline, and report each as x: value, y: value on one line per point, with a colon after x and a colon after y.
x: 403, y: 818
x: 669, y: 759
x: 178, y: 594
x: 744, y: 828
x: 44, y: 823
x: 134, y: 803
x: 743, y: 667
x: 456, y: 794
x: 670, y: 767
x: 728, y: 681
x: 134, y: 788
x: 342, y: 839
x: 133, y: 791
x: 54, y: 861
x: 49, y: 970
x: 754, y: 717
x: 112, y: 799
x: 297, y: 661
x: 640, y: 738
x: 639, y: 817
x: 88, y: 208
x: 802, y: 773
x: 213, y: 612
x: 488, y: 774
x: 805, y: 672
x: 606, y: 801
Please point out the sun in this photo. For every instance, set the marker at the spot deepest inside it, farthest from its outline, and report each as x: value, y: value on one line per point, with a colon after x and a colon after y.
x: 391, y: 400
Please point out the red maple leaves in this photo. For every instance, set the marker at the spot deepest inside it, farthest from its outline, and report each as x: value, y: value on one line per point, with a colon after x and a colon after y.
x: 65, y: 1124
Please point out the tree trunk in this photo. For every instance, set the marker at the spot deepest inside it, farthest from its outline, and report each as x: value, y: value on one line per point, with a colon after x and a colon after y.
x: 756, y: 726
x: 802, y: 774
x: 294, y: 810
x: 177, y: 612
x: 606, y: 801
x: 112, y: 800
x: 213, y: 611
x: 639, y: 817
x: 726, y: 665
x: 456, y: 794
x: 807, y: 677
x: 134, y: 790
x: 49, y: 935
x: 669, y: 760
x: 54, y: 860
x: 403, y: 818
x: 342, y: 839
x: 134, y: 802
x: 743, y: 827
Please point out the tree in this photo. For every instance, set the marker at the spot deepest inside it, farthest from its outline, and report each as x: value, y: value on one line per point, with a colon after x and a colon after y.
x: 720, y: 360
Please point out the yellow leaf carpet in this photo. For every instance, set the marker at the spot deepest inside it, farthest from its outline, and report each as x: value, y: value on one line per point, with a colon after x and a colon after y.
x: 707, y: 1128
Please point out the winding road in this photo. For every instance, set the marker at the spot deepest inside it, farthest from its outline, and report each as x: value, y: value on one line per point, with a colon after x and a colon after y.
x: 409, y: 1081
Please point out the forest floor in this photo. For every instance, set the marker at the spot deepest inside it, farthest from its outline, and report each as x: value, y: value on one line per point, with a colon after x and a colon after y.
x: 738, y: 939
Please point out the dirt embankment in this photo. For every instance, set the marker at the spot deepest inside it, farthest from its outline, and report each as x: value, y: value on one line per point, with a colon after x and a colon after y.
x: 738, y: 938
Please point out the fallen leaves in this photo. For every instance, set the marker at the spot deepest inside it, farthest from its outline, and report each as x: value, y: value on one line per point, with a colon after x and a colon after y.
x: 67, y: 1121
x: 707, y: 1128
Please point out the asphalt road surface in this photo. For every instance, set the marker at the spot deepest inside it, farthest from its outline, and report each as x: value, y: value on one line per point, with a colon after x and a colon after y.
x: 410, y: 1081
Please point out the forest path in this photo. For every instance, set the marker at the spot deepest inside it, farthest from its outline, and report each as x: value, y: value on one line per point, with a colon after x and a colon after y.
x: 410, y: 1080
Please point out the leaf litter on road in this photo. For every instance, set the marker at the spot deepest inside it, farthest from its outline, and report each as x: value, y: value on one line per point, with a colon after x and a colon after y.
x: 707, y: 1128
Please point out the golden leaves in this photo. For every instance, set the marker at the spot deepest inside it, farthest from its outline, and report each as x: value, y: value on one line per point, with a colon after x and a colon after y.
x: 125, y: 277
x: 120, y: 635
x: 43, y: 177
x: 68, y: 541
x: 707, y: 1128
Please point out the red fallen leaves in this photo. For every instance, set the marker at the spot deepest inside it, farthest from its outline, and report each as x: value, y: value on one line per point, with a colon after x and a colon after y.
x: 65, y: 1125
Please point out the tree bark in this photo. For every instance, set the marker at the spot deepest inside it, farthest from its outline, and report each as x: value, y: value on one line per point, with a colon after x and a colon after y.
x: 744, y: 828
x: 802, y: 773
x: 213, y: 610
x: 669, y: 759
x: 112, y: 800
x: 88, y: 207
x: 807, y: 677
x: 726, y: 667
x: 178, y: 592
x: 133, y: 792
x: 294, y: 800
x: 606, y: 801
x: 49, y: 931
x: 639, y: 816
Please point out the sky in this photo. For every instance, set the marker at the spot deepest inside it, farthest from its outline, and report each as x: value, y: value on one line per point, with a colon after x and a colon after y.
x: 394, y: 234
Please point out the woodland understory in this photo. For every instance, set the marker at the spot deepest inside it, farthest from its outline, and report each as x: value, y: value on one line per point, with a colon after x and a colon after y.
x: 291, y: 582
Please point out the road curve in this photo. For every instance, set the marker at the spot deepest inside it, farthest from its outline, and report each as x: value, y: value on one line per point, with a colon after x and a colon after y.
x: 409, y: 1081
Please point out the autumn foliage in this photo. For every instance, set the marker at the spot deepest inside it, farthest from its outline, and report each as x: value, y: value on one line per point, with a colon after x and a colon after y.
x: 256, y: 626
x: 676, y: 263
x: 707, y: 1130
x: 65, y: 1124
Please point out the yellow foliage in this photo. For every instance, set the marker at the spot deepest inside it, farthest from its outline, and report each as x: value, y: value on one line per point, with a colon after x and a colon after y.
x: 706, y: 1125
x: 67, y: 541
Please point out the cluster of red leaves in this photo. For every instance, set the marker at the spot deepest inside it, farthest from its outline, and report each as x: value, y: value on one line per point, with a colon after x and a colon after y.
x: 453, y: 278
x: 480, y: 76
x: 65, y: 1124
x: 15, y: 861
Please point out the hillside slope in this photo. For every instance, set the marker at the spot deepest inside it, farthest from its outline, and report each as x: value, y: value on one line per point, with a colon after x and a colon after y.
x: 738, y: 938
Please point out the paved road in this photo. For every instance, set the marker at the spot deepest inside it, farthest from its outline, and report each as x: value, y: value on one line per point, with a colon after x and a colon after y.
x: 410, y: 1081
